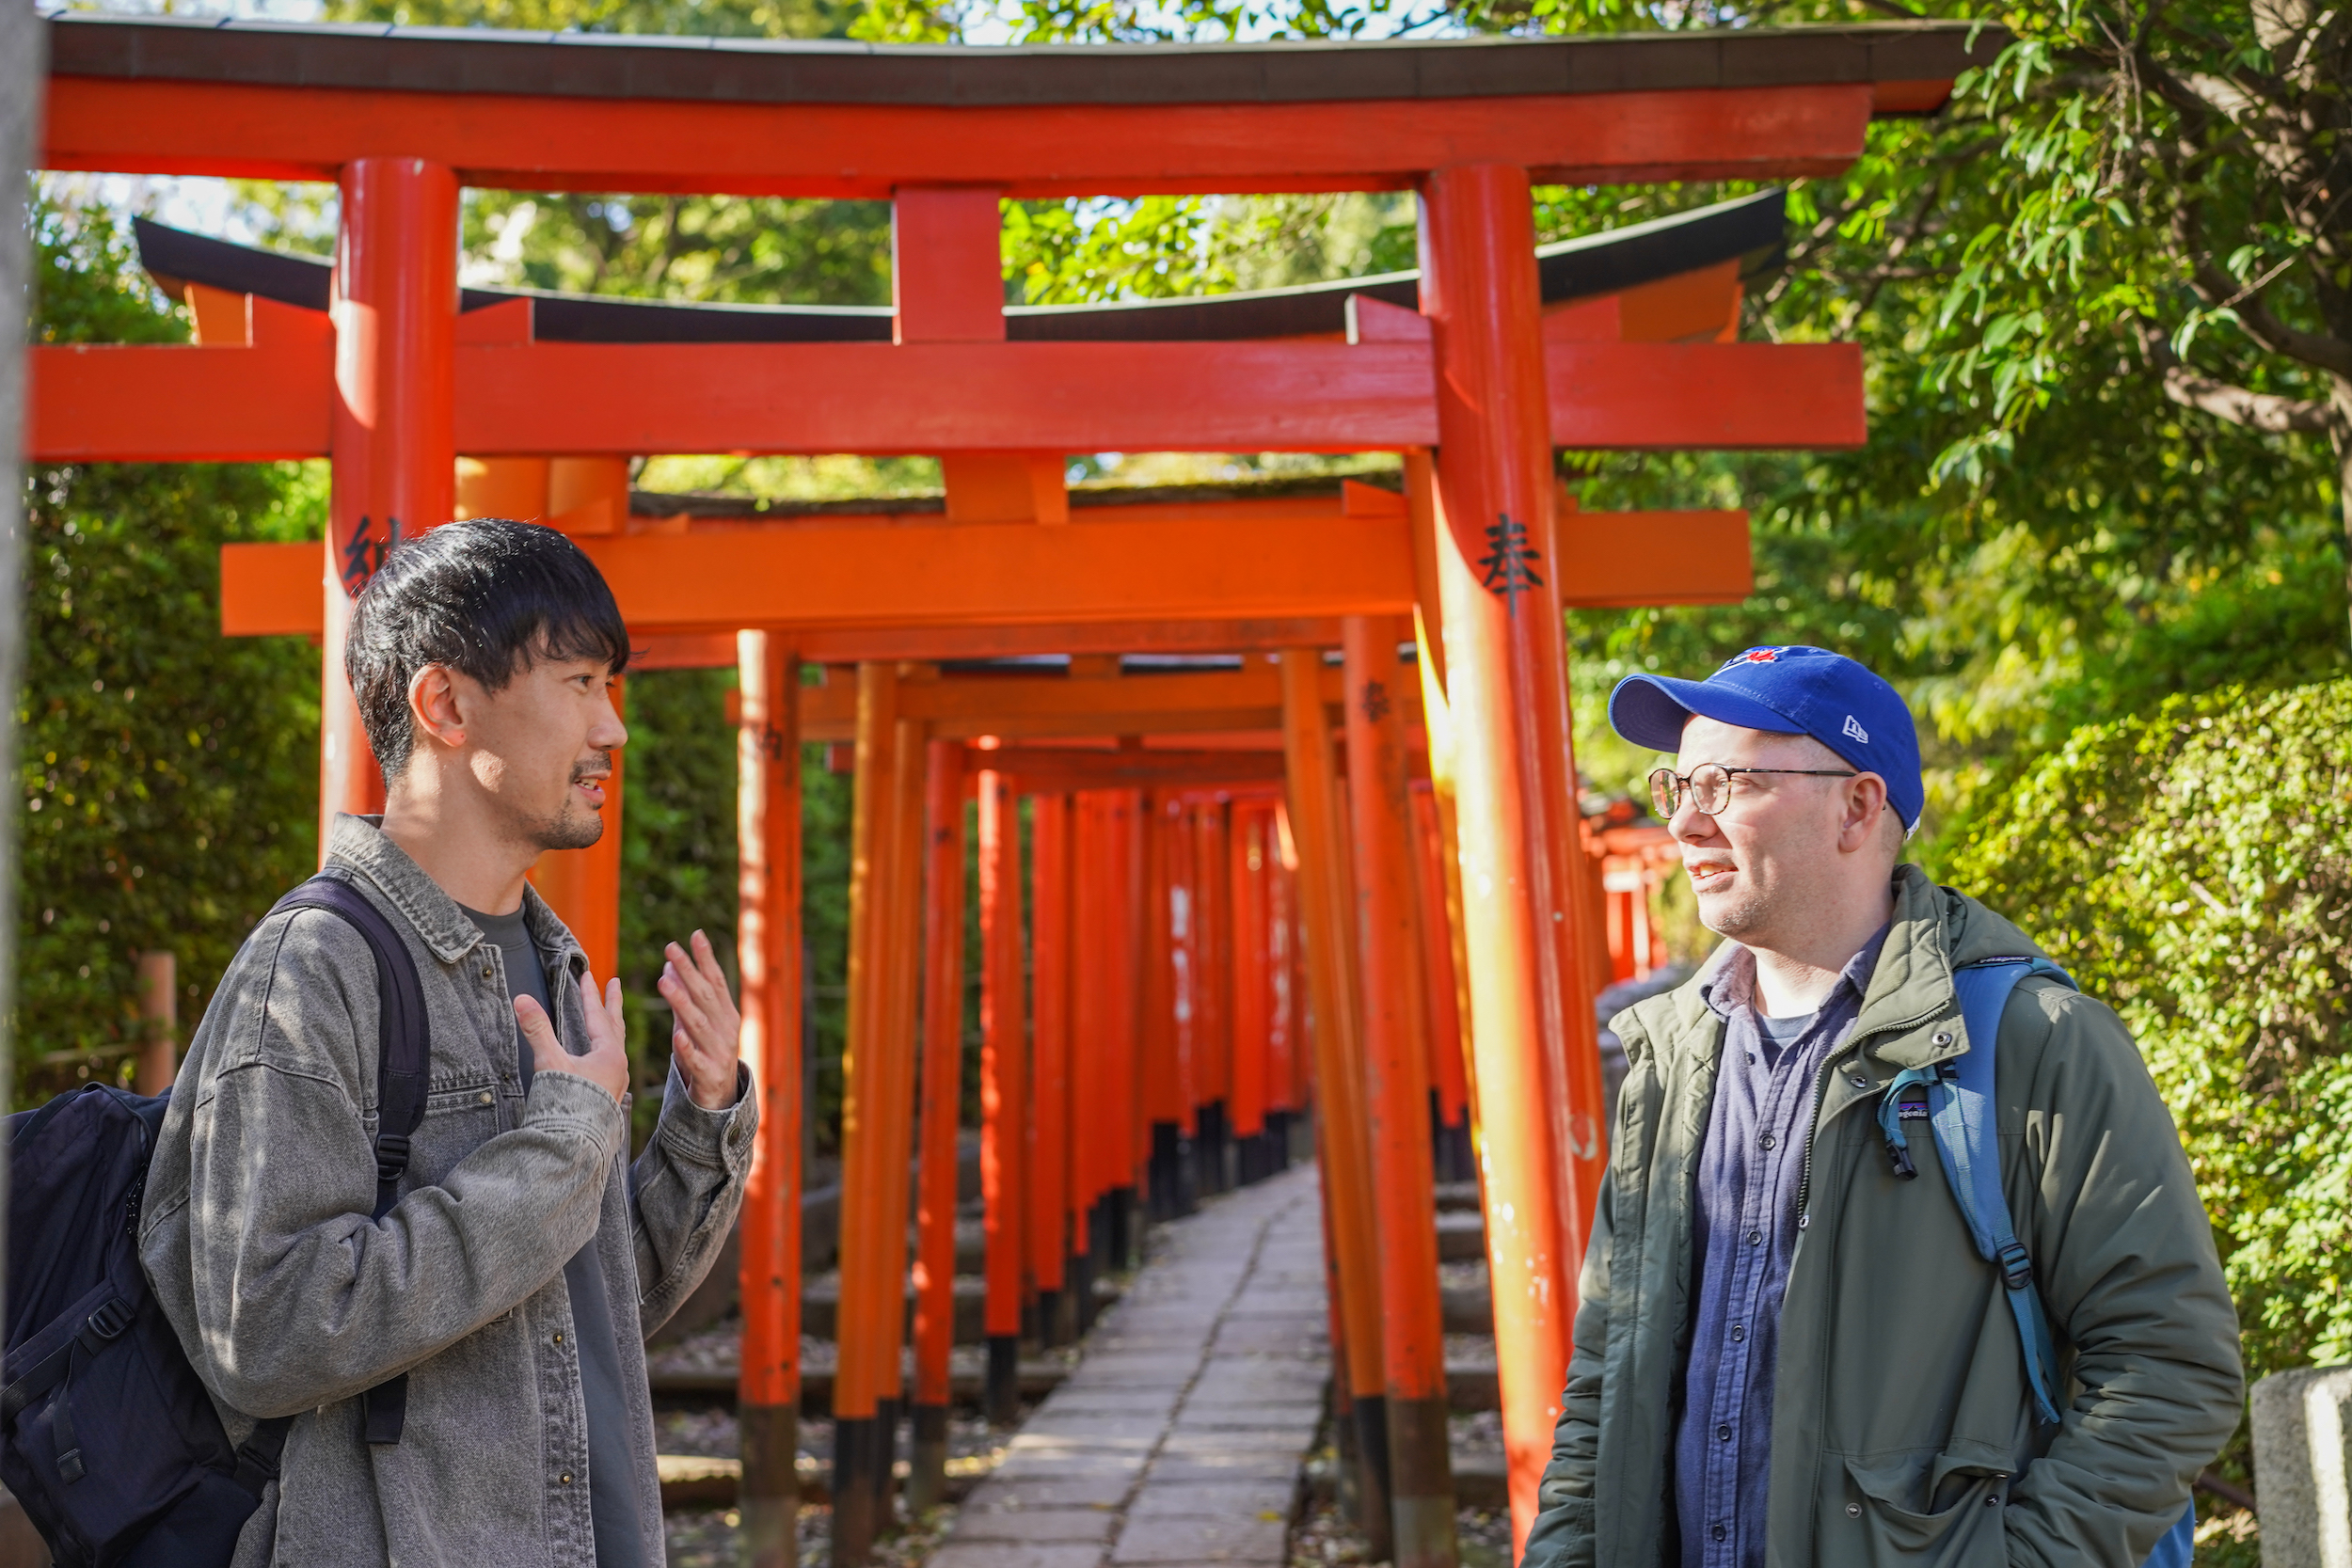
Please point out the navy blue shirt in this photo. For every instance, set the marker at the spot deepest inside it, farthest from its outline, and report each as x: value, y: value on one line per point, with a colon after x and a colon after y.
x: 1744, y: 1234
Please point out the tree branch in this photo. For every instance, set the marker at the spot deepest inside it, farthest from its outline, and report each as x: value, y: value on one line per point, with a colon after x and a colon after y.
x: 2222, y: 292
x: 2193, y: 388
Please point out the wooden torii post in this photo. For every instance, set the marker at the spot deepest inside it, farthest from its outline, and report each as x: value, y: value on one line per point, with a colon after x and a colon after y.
x: 392, y: 381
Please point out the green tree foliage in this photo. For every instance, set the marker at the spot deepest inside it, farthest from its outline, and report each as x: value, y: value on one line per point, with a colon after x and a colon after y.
x: 169, y: 774
x: 2193, y: 867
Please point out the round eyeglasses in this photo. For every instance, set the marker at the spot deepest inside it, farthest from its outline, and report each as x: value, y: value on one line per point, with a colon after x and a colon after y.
x: 1707, y: 787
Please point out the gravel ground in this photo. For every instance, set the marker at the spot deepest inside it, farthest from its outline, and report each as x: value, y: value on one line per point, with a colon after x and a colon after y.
x: 711, y: 1434
x: 706, y: 1539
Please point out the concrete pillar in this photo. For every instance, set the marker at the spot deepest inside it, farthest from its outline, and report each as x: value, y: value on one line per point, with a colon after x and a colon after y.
x: 2300, y: 1467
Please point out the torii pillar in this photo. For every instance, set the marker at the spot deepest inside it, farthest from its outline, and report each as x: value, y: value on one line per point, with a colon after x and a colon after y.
x: 1532, y: 1037
x: 393, y: 434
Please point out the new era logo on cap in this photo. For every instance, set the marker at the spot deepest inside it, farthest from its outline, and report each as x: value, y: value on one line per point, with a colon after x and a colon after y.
x: 1853, y: 727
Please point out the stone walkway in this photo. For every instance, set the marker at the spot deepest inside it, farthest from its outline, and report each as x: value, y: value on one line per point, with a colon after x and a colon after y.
x: 1179, y: 1438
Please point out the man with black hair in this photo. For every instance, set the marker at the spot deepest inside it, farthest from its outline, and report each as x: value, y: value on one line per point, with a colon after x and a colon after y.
x: 513, y: 1280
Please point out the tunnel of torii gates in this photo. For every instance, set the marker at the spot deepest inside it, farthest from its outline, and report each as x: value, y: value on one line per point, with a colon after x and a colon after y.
x: 1221, y: 923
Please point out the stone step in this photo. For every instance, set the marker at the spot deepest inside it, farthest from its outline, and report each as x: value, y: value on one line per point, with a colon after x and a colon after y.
x: 716, y: 1385
x: 1471, y: 1385
x: 1461, y: 1235
x: 692, y: 1481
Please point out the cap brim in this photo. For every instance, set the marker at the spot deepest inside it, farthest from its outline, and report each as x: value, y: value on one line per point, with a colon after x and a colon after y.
x: 1651, y: 711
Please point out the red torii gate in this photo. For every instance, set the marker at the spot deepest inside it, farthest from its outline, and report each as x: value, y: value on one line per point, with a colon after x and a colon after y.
x: 396, y: 382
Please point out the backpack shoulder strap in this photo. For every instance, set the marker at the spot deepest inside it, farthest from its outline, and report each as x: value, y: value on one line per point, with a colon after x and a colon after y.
x: 402, y: 1053
x: 1963, y: 1117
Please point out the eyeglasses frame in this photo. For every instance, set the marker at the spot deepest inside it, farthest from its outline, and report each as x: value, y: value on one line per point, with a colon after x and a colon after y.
x: 1684, y: 787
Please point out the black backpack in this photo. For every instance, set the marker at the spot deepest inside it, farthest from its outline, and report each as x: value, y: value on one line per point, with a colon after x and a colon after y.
x: 106, y: 1435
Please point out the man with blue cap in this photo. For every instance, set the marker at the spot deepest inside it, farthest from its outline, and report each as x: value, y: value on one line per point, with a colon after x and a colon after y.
x: 1789, y: 1350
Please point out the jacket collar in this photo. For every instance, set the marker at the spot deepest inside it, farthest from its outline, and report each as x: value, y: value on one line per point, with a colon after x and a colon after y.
x: 359, y: 842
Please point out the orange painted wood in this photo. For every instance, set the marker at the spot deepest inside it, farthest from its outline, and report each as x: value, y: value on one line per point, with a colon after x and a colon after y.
x: 254, y: 402
x: 1394, y: 1027
x: 1004, y: 1051
x: 1440, y: 987
x: 1050, y: 982
x: 1123, y: 1104
x: 1159, y: 1035
x: 945, y: 397
x: 942, y: 1088
x: 588, y: 399
x: 904, y: 952
x: 394, y: 314
x: 1253, y: 949
x: 1654, y: 397
x: 1505, y: 687
x: 1614, y: 559
x: 768, y: 956
x: 1047, y: 771
x: 1090, y: 942
x: 1213, y: 894
x: 1337, y: 1033
x: 530, y: 143
x: 865, y: 1294
x: 271, y: 590
x: 1009, y: 574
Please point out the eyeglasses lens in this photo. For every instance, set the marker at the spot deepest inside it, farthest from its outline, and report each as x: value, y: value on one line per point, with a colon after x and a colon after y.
x: 1665, y: 792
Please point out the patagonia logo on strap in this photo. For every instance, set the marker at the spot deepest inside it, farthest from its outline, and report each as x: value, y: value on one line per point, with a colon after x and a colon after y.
x: 1911, y: 1110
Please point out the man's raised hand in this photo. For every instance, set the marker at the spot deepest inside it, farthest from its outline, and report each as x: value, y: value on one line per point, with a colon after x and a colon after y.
x: 709, y: 1039
x: 606, y: 1065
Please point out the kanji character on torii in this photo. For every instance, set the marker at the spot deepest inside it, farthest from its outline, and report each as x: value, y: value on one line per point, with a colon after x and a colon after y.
x: 1470, y: 374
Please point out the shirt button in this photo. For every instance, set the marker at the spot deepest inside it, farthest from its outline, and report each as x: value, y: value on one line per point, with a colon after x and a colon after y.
x: 1768, y: 1140
x: 1719, y: 1532
x: 1853, y: 1511
x: 1723, y: 1434
x: 1737, y: 1332
x: 1755, y: 1236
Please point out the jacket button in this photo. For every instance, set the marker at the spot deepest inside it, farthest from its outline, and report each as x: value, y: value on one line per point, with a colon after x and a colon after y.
x: 1853, y: 1511
x: 486, y: 971
x: 486, y: 1097
x: 1860, y: 1080
x: 1943, y: 1037
x: 1993, y: 1499
x: 559, y: 1338
x: 566, y: 1478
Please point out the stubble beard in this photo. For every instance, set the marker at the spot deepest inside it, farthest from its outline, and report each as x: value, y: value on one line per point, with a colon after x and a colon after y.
x: 1738, y: 915
x: 574, y: 827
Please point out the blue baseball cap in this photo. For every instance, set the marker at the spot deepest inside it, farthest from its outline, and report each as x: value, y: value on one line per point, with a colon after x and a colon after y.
x: 1793, y: 690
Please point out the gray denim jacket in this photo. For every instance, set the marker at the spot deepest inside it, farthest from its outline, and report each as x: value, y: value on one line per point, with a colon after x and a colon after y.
x: 291, y: 1300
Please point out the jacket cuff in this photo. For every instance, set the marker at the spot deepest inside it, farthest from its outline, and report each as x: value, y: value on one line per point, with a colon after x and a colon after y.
x: 720, y: 1140
x: 566, y: 1099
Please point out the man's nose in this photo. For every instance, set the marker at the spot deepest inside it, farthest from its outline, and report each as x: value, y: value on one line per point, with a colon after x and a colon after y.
x: 608, y: 733
x: 1691, y: 825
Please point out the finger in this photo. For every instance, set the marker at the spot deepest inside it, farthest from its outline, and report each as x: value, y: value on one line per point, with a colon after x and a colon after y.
x: 613, y: 1008
x: 532, y: 1020
x: 707, y: 959
x: 676, y: 990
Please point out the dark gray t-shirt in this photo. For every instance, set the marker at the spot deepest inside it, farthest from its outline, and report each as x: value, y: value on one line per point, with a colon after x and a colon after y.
x: 611, y: 1509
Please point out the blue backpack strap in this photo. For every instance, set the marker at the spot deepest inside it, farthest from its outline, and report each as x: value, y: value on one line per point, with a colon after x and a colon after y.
x: 1961, y: 1114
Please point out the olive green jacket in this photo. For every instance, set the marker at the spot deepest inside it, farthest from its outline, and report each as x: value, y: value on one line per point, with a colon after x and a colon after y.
x: 1902, y: 1426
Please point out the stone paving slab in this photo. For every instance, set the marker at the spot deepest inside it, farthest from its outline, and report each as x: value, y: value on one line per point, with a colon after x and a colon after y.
x: 1010, y: 1554
x: 1085, y: 1527
x: 1178, y: 1440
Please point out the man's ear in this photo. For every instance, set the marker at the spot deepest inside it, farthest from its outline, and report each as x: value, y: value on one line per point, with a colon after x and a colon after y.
x: 1865, y: 808
x: 434, y: 707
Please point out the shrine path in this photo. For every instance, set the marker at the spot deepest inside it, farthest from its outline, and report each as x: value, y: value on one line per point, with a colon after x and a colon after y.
x: 1180, y: 1437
